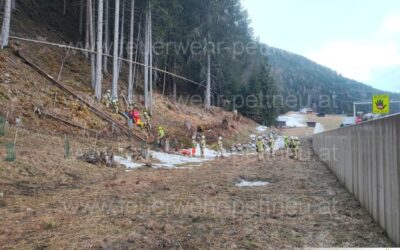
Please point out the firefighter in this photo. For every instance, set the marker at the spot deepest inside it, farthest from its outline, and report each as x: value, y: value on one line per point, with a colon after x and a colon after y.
x: 161, y: 132
x: 286, y: 140
x: 294, y: 145
x: 107, y: 98
x: 136, y: 118
x: 271, y: 144
x: 220, y: 148
x: 147, y: 120
x: 161, y: 136
x: 203, y: 145
x: 296, y: 148
x: 115, y: 105
x: 194, y: 146
x: 260, y: 149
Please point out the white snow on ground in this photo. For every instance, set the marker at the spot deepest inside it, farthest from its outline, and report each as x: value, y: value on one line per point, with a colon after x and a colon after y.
x: 261, y: 129
x: 244, y: 183
x: 319, y: 128
x: 128, y: 163
x: 304, y: 111
x: 293, y: 120
x: 173, y: 160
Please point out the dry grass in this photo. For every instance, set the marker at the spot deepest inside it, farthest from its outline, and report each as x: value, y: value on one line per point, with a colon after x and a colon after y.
x: 304, y: 206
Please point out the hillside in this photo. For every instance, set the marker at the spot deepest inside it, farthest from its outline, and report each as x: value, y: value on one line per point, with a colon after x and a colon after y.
x: 308, y: 81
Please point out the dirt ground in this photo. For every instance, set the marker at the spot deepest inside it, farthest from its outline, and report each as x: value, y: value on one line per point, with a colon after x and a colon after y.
x: 201, y: 207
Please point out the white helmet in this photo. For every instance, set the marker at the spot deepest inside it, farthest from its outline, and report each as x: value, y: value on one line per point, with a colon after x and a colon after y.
x: 220, y: 138
x: 108, y: 91
x: 194, y: 137
x: 204, y: 137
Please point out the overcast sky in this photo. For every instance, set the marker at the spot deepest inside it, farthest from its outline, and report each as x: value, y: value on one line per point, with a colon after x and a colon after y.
x: 358, y: 38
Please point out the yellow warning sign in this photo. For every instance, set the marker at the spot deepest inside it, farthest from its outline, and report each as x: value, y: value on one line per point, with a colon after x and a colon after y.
x: 380, y: 104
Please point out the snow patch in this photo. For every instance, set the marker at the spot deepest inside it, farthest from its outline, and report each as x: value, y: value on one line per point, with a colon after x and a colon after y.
x: 261, y: 129
x: 319, y: 128
x: 293, y: 120
x: 173, y: 160
x: 128, y: 163
x: 244, y: 183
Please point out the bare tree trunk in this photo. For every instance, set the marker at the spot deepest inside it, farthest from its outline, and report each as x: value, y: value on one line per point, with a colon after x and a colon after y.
x: 65, y: 7
x: 151, y: 59
x: 92, y: 44
x: 146, y: 63
x: 208, y: 90
x: 165, y: 79
x: 136, y: 54
x: 173, y: 88
x: 81, y: 18
x: 121, y: 45
x: 114, y: 91
x: 87, y: 32
x: 5, y: 31
x: 174, y: 83
x: 99, y: 55
x: 106, y: 36
x: 131, y: 34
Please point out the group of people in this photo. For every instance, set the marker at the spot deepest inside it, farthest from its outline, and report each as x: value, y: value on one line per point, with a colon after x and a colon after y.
x: 136, y: 118
x: 111, y: 102
x: 291, y: 143
x: 132, y: 114
x: 203, y: 145
x: 260, y: 146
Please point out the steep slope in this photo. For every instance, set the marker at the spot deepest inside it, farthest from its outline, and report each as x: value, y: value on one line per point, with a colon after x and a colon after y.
x: 309, y: 81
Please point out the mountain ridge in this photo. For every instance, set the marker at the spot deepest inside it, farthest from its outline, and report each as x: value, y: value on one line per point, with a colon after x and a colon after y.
x: 298, y: 75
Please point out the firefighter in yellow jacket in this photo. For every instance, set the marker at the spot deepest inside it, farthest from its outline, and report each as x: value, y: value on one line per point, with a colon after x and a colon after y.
x: 260, y: 149
x: 220, y: 148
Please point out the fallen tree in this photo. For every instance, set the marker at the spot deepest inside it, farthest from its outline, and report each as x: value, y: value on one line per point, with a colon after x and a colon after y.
x: 80, y: 99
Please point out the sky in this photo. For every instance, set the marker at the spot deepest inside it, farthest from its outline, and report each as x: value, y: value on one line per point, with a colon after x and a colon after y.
x: 358, y: 38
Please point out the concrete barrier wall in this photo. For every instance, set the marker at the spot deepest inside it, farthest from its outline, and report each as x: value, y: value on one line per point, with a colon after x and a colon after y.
x: 366, y: 159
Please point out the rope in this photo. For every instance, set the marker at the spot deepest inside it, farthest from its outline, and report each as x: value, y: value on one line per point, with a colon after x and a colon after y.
x: 122, y: 59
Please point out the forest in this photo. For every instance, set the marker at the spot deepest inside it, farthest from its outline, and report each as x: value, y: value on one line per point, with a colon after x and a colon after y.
x: 190, y: 47
x: 177, y: 47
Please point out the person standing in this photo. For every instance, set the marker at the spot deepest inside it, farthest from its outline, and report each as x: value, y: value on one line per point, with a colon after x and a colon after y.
x: 107, y: 98
x: 194, y: 146
x: 271, y: 144
x: 260, y: 149
x: 286, y: 140
x: 203, y: 145
x: 296, y: 148
x: 220, y: 148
